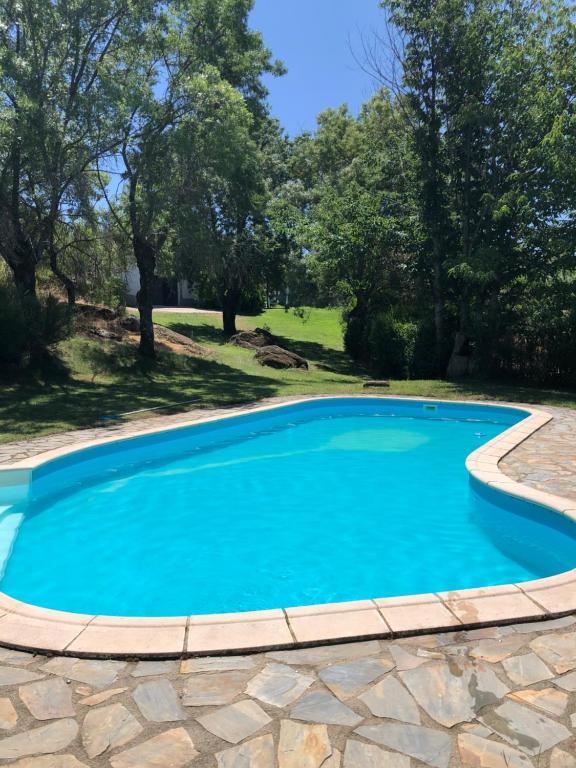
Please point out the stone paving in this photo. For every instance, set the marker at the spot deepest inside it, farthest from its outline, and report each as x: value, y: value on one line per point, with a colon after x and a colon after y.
x: 489, y: 698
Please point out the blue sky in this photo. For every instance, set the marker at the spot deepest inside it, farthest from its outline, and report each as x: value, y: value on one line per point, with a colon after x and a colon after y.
x: 314, y: 39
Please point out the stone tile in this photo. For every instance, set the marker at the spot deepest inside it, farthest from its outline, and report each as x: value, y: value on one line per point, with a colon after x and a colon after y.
x: 476, y: 729
x: 37, y: 633
x: 554, y: 598
x: 411, y: 614
x: 327, y: 653
x: 303, y: 746
x: 98, y: 674
x: 322, y: 707
x: 548, y: 699
x: 49, y: 761
x: 213, y: 689
x: 360, y: 755
x: 236, y: 722
x: 561, y: 759
x: 8, y: 715
x: 425, y: 744
x: 218, y: 664
x: 172, y: 748
x: 337, y: 621
x: 498, y: 649
x: 238, y: 632
x: 48, y: 699
x: 405, y: 660
x: 154, y: 668
x: 107, y: 728
x: 531, y: 732
x: 129, y: 641
x: 558, y: 650
x: 544, y: 626
x: 566, y: 682
x: 454, y: 692
x: 390, y: 699
x: 485, y: 753
x: 348, y: 679
x: 39, y: 741
x: 257, y: 753
x: 158, y: 701
x: 526, y: 669
x: 100, y: 698
x: 278, y: 685
x: 19, y: 658
x: 497, y: 607
x: 15, y: 676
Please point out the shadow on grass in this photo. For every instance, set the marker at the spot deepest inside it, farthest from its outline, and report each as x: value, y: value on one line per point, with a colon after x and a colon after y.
x: 119, y: 383
x: 515, y: 392
x: 202, y: 334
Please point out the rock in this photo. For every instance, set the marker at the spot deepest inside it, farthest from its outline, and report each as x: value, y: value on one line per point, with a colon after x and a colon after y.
x: 303, y: 746
x: 236, y: 722
x: 100, y: 698
x: 104, y: 333
x: 213, y: 689
x: 390, y: 699
x: 544, y: 626
x: 322, y: 707
x: 257, y: 753
x: 107, y: 728
x: 531, y: 732
x: 527, y: 669
x: 376, y: 383
x: 549, y: 699
x: 348, y: 679
x: 557, y: 650
x: 153, y: 668
x: 171, y: 749
x: 255, y: 339
x: 485, y: 753
x: 158, y: 701
x: 96, y: 673
x: 454, y: 692
x: 278, y: 685
x: 48, y: 699
x: 14, y: 676
x: 130, y: 323
x: 223, y: 664
x: 8, y: 715
x: 39, y: 741
x: 49, y: 761
x: 277, y: 357
x: 360, y: 755
x: 322, y: 655
x: 431, y: 747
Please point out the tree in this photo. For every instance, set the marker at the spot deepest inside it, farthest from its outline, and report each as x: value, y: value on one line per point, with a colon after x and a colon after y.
x: 61, y: 64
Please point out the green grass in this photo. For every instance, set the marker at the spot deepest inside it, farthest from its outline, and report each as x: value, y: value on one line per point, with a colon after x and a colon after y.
x: 96, y: 379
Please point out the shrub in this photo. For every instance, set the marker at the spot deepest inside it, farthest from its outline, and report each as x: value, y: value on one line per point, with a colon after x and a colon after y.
x: 29, y: 328
x: 391, y: 346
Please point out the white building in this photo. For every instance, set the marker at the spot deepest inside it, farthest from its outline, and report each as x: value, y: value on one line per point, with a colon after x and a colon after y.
x: 168, y: 292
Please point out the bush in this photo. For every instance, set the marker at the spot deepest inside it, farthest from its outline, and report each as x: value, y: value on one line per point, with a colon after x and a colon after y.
x: 391, y: 346
x: 29, y: 328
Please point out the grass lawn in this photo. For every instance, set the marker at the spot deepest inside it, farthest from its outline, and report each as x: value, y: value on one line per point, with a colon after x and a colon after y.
x: 94, y: 379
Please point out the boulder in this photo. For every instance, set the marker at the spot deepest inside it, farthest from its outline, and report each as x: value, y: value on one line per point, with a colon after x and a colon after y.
x: 255, y: 339
x: 277, y: 357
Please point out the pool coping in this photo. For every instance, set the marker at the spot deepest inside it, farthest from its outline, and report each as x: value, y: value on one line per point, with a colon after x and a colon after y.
x: 27, y: 627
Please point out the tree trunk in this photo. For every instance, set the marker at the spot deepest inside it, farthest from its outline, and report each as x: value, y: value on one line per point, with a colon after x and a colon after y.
x: 146, y: 261
x: 67, y: 282
x: 437, y: 290
x: 22, y: 263
x: 229, y: 299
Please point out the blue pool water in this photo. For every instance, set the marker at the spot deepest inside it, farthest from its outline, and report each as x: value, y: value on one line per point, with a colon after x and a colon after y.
x: 319, y: 502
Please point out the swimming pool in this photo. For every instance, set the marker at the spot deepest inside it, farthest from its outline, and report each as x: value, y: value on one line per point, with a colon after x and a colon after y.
x: 319, y: 502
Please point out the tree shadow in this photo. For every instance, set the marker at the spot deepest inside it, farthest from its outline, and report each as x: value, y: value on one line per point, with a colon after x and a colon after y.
x: 514, y: 391
x: 123, y: 383
x: 202, y: 334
